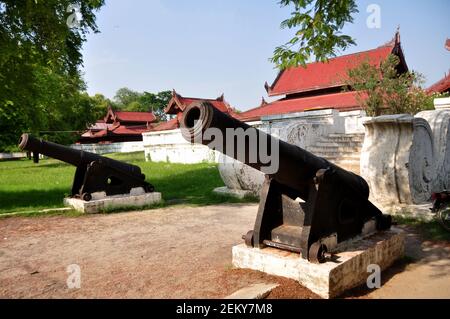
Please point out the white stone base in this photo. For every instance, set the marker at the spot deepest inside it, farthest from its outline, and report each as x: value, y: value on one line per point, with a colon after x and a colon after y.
x: 239, y: 193
x: 347, y: 270
x: 113, y: 202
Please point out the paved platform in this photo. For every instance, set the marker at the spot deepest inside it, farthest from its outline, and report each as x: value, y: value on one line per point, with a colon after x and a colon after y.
x: 347, y: 269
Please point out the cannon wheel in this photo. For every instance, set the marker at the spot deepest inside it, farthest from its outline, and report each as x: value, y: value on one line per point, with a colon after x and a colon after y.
x: 248, y: 238
x: 86, y: 197
x: 317, y: 253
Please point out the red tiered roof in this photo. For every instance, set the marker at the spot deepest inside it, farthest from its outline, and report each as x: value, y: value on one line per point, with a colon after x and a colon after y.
x: 341, y: 101
x: 441, y: 86
x: 166, y: 126
x: 320, y: 85
x: 330, y: 74
x: 129, y: 117
x: 118, y: 126
x: 144, y: 117
x: 178, y: 103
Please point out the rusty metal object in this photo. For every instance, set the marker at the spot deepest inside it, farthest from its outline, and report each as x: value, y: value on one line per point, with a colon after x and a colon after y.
x: 94, y: 173
x: 335, y: 206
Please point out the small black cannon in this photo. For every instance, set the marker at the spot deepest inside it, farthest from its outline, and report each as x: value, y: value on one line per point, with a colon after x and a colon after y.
x: 94, y: 173
x: 335, y: 204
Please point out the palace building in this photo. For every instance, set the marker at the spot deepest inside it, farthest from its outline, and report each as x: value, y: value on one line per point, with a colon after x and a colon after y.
x: 118, y: 126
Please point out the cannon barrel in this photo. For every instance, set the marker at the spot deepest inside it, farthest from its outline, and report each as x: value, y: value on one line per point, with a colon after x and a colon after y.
x: 70, y: 155
x: 335, y: 203
x: 296, y: 165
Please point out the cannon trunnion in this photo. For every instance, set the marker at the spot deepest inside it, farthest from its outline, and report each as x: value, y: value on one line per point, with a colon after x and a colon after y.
x: 308, y: 205
x: 94, y: 173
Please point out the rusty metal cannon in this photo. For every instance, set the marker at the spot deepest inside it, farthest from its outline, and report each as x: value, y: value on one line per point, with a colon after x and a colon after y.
x: 308, y: 205
x: 94, y: 173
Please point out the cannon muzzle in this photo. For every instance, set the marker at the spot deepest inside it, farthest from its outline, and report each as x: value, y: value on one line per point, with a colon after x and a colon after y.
x: 94, y: 173
x: 335, y: 203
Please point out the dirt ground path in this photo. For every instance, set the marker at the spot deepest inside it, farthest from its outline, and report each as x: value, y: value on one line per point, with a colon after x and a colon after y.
x: 177, y: 252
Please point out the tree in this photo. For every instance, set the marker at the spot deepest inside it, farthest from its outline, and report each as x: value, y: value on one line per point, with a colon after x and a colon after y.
x: 319, y: 23
x: 41, y: 88
x: 133, y: 101
x: 381, y: 90
x: 100, y: 105
x: 156, y: 103
x: 124, y: 97
x: 135, y: 106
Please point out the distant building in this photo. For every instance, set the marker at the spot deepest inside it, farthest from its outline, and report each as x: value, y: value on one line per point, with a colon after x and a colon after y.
x: 443, y: 85
x: 320, y: 85
x: 118, y: 126
x: 178, y: 104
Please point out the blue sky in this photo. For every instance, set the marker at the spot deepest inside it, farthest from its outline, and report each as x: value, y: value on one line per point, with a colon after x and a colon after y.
x: 204, y: 48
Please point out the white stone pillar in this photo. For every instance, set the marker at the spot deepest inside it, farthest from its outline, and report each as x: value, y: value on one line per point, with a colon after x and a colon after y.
x: 439, y: 121
x: 397, y: 159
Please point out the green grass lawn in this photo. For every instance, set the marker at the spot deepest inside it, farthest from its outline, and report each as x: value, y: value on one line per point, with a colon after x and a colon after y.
x: 25, y: 186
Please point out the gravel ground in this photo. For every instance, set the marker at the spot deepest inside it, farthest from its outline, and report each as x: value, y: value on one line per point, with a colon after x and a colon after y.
x: 176, y: 252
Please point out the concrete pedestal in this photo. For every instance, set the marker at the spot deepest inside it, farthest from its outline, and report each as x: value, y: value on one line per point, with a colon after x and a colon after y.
x: 113, y: 202
x: 330, y: 279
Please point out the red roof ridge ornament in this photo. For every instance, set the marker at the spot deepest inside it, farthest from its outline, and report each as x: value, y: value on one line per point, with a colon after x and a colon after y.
x: 263, y: 101
x: 178, y: 103
x: 394, y: 41
x: 267, y: 87
x: 221, y: 97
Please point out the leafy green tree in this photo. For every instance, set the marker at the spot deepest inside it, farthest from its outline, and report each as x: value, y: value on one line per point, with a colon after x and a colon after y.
x: 135, y: 106
x: 319, y: 24
x: 382, y: 90
x: 41, y: 88
x: 100, y: 105
x: 133, y: 101
x: 156, y: 103
x: 124, y: 97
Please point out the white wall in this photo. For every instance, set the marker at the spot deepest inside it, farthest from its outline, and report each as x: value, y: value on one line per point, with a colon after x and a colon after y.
x: 123, y: 147
x: 170, y: 146
x: 8, y: 156
x: 354, y: 121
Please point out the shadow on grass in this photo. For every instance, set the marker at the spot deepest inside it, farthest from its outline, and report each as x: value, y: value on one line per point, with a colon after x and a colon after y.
x: 194, y: 187
x: 429, y: 230
x: 12, y: 201
x: 187, y: 185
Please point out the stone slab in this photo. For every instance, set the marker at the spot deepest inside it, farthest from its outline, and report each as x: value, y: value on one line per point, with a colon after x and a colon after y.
x: 239, y: 193
x: 113, y: 202
x: 330, y: 279
x: 256, y: 291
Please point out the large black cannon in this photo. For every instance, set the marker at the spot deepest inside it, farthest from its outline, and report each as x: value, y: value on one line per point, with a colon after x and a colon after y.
x: 94, y: 173
x: 308, y: 205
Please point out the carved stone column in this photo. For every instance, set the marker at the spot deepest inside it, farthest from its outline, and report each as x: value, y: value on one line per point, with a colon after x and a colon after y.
x: 397, y: 159
x: 439, y: 121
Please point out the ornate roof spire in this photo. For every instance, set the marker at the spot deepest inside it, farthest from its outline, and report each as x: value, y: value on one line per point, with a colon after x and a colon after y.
x: 263, y: 101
